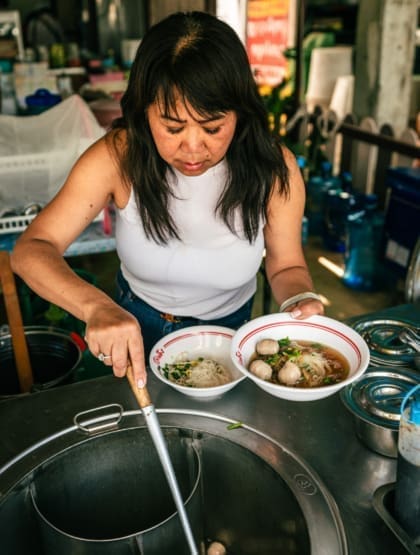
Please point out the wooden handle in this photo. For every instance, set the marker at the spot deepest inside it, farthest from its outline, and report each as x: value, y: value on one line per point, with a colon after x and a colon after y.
x: 14, y: 317
x: 140, y: 393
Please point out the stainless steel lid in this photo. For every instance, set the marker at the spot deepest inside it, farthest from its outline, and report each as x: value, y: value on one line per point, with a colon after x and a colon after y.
x: 383, y: 338
x: 377, y: 396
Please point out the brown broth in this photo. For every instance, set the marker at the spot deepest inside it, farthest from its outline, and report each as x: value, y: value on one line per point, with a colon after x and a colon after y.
x: 339, y: 364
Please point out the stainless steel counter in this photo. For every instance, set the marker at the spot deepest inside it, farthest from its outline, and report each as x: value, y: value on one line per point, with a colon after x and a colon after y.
x: 320, y: 432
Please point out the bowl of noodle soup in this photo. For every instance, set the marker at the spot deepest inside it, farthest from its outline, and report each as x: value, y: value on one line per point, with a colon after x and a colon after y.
x: 196, y: 361
x: 299, y: 360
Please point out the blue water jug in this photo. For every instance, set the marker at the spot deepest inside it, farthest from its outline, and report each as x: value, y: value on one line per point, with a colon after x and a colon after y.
x: 337, y: 207
x: 317, y: 188
x: 364, y: 247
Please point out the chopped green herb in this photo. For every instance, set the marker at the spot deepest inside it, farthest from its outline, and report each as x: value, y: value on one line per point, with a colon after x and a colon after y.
x: 285, y: 342
x: 292, y: 352
x: 235, y: 425
x: 272, y: 359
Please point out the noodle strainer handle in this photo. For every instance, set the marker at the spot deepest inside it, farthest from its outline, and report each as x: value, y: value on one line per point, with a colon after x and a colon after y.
x: 149, y: 413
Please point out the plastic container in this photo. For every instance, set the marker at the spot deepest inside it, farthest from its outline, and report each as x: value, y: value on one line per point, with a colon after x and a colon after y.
x: 407, y: 487
x: 363, y: 250
x: 338, y: 206
x: 41, y: 100
x: 314, y: 204
x: 316, y: 192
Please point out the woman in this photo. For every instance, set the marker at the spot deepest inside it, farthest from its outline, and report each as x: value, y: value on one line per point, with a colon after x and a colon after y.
x: 200, y: 189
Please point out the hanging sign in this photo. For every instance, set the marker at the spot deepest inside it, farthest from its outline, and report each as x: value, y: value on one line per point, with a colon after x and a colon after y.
x: 266, y: 39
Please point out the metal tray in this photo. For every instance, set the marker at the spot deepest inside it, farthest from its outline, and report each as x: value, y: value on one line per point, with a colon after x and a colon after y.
x: 383, y: 502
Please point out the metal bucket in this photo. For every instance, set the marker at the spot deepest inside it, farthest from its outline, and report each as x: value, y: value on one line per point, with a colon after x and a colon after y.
x: 54, y: 356
x: 109, y: 495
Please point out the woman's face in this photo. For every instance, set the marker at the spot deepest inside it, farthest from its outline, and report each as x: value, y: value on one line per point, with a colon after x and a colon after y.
x: 187, y: 141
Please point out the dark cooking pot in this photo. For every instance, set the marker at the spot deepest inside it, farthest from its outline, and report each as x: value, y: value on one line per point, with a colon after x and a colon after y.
x: 54, y: 354
x: 112, y: 497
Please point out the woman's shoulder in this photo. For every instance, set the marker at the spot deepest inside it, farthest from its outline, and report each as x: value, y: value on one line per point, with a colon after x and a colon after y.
x: 116, y: 141
x: 101, y: 163
x: 105, y: 154
x: 289, y: 157
x: 295, y: 188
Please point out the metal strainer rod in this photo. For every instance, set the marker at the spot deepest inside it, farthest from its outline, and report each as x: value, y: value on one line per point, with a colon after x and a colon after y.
x: 152, y: 422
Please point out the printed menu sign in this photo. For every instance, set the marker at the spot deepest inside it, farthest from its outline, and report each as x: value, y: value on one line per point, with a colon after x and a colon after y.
x: 267, y: 38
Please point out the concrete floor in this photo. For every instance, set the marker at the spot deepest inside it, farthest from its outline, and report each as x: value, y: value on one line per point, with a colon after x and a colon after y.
x: 340, y: 301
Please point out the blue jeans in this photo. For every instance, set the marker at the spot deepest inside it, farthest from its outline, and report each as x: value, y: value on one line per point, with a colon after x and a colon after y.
x: 155, y: 325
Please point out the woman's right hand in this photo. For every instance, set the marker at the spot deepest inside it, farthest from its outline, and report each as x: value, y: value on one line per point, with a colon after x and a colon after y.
x: 114, y: 333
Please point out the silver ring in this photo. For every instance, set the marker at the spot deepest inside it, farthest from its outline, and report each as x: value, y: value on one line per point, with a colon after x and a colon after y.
x: 103, y: 357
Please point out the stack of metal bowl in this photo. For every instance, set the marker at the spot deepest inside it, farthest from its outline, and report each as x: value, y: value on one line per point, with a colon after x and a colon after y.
x: 375, y: 402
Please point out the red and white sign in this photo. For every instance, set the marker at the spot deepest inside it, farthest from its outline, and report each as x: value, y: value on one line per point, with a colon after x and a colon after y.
x: 266, y: 39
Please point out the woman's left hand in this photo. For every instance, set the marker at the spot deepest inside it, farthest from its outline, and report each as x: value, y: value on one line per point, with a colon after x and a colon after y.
x: 305, y: 308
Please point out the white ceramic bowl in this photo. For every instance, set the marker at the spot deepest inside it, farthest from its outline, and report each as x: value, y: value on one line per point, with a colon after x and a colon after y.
x: 319, y: 329
x: 212, y: 342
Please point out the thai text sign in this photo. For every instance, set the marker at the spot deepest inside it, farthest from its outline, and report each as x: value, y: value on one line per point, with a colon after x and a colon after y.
x: 266, y: 39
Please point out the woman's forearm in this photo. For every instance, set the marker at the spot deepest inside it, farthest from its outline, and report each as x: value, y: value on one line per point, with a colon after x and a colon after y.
x: 289, y: 282
x: 47, y: 273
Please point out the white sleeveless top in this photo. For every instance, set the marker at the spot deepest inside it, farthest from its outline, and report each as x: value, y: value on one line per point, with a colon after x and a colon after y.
x: 207, y: 274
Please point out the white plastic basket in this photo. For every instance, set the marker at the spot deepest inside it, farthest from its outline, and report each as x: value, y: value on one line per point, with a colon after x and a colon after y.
x: 38, y: 152
x: 15, y: 224
x: 32, y: 178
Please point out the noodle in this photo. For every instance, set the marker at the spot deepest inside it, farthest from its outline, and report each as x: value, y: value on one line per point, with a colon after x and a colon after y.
x: 200, y: 372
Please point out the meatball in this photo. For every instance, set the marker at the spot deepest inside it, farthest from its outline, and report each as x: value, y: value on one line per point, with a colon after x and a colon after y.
x: 261, y: 369
x: 216, y: 548
x: 289, y: 373
x: 267, y: 347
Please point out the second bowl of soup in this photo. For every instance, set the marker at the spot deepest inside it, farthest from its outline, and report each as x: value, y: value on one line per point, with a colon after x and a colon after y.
x: 299, y: 360
x: 196, y: 361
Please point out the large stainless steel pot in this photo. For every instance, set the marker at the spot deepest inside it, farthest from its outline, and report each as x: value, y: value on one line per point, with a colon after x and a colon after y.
x: 54, y: 355
x: 255, y: 496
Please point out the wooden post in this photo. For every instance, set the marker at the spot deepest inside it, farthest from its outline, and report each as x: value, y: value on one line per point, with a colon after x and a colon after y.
x: 14, y: 317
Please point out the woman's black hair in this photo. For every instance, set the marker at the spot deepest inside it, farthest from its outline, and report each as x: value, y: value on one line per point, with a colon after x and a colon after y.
x: 200, y: 58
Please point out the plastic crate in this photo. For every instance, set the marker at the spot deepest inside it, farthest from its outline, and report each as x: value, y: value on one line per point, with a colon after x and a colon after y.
x: 15, y: 224
x: 32, y: 178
